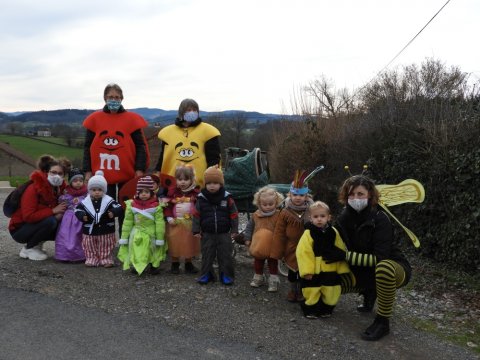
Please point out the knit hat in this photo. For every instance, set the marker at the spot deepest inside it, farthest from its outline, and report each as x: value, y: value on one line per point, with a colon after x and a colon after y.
x: 213, y: 175
x: 145, y: 182
x: 98, y: 181
x: 75, y: 173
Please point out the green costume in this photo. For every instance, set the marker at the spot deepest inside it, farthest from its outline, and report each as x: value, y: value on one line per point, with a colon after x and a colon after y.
x: 145, y: 231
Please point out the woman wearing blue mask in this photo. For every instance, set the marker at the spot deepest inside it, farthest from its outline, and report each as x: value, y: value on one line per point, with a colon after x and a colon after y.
x: 115, y: 142
x: 189, y: 141
x: 377, y: 265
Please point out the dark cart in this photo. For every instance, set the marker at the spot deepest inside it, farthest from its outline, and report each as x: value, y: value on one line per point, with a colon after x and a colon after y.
x: 245, y: 172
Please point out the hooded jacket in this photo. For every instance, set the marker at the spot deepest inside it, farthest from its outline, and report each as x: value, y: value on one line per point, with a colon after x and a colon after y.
x: 37, y: 201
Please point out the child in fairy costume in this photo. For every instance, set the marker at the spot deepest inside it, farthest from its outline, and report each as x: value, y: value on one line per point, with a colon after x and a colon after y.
x: 68, y: 241
x: 142, y: 242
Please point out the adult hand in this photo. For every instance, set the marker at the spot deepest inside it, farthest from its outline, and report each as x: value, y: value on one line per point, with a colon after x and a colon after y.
x: 110, y: 215
x: 88, y: 175
x: 59, y: 209
x: 139, y: 173
x: 308, y: 276
x: 197, y: 236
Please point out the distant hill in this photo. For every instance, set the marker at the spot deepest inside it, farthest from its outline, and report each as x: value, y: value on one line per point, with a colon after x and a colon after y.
x: 152, y: 115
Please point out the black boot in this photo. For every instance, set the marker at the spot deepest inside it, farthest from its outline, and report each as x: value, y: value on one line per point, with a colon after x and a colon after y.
x: 154, y: 270
x: 324, y: 310
x: 379, y: 328
x: 175, y: 269
x: 190, y: 268
x: 369, y: 297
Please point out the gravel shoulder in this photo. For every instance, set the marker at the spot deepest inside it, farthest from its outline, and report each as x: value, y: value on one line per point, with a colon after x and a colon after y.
x: 253, y: 317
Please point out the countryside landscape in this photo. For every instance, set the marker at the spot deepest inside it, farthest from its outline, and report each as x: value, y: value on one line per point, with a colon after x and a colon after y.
x: 422, y: 122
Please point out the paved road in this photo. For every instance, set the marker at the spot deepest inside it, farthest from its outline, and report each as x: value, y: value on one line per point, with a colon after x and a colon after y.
x: 52, y: 310
x: 35, y: 326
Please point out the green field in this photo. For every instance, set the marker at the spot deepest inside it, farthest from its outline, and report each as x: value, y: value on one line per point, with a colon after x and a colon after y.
x: 34, y: 147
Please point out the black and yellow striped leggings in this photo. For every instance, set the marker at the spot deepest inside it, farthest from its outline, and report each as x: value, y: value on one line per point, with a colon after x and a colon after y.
x: 389, y: 276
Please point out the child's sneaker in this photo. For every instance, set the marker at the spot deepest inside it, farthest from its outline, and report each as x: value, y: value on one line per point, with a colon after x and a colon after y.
x: 273, y: 283
x: 226, y: 280
x: 311, y: 316
x: 205, y: 279
x: 257, y: 280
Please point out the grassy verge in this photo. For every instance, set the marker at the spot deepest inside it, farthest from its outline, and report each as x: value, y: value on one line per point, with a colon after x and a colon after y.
x: 443, y: 301
x: 14, y: 180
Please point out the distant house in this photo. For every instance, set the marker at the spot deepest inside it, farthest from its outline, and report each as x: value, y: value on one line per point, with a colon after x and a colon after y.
x: 44, y: 132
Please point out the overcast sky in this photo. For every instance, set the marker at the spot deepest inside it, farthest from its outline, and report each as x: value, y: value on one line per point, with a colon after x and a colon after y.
x: 226, y: 54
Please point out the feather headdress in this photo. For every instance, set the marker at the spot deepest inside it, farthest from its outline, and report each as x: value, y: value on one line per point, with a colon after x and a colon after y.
x: 300, y: 180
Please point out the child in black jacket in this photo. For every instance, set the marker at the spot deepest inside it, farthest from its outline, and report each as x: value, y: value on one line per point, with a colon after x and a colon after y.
x: 215, y: 221
x: 97, y: 212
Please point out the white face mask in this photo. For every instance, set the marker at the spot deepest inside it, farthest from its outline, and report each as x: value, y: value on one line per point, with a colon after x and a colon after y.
x: 358, y: 204
x: 190, y: 116
x: 55, y: 180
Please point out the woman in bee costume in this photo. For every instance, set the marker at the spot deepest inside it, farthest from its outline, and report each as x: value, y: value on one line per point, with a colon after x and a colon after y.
x: 378, y: 267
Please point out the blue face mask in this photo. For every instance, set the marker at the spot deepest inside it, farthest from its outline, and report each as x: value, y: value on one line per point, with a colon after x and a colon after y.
x: 114, y: 105
x: 190, y: 116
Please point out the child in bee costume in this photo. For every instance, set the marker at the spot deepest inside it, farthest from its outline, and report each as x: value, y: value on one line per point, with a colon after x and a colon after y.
x: 321, y: 259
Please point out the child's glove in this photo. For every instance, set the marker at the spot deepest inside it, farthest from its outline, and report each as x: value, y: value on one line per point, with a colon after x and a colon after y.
x: 333, y: 255
x: 123, y: 241
x: 159, y: 242
x: 239, y: 238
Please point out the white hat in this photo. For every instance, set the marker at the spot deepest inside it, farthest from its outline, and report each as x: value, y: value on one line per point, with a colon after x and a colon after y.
x: 98, y: 181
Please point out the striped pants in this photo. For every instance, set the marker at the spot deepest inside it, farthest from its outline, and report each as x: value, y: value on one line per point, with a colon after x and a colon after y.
x: 389, y: 276
x: 98, y: 249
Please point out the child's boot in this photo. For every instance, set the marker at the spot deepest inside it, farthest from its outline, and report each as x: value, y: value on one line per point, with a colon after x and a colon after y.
x: 154, y: 270
x: 257, y: 280
x: 298, y: 293
x: 175, y: 269
x: 190, y: 268
x: 273, y: 282
x: 292, y: 294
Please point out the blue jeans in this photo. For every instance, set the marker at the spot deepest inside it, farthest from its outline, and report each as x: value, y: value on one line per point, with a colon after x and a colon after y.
x: 34, y: 233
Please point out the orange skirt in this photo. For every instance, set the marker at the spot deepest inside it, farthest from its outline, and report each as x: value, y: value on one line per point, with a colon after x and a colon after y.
x: 181, y: 242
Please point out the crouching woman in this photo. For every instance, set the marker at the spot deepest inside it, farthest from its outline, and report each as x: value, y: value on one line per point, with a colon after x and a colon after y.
x: 378, y: 267
x: 39, y: 214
